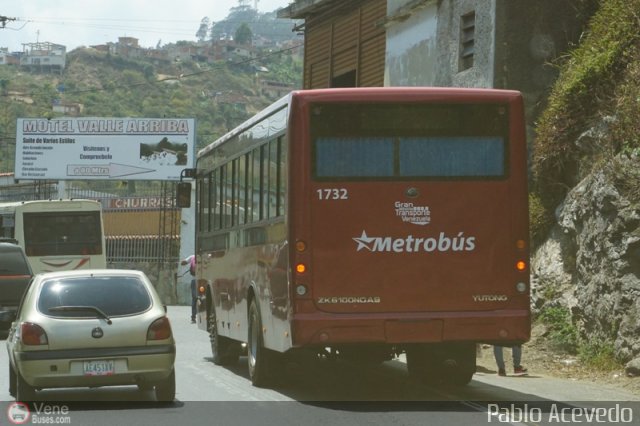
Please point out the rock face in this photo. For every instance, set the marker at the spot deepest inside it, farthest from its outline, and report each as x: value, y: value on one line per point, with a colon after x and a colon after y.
x: 591, y: 261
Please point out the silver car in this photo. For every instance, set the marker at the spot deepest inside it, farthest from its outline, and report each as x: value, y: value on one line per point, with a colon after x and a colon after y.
x: 91, y: 328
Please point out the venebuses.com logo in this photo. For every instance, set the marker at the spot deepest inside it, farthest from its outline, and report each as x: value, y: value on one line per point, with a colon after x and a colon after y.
x: 19, y: 413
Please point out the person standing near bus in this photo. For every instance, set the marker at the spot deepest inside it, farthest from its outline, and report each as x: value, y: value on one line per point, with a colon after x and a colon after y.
x: 191, y: 261
x: 516, y: 353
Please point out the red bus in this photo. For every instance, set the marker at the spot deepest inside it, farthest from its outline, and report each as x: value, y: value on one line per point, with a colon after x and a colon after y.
x: 366, y: 223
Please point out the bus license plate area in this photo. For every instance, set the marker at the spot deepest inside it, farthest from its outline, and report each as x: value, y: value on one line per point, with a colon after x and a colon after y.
x: 99, y: 368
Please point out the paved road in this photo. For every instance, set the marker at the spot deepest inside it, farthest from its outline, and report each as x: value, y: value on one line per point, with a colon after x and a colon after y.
x: 318, y: 393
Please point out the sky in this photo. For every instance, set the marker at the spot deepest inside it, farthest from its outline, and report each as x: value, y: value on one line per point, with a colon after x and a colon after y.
x: 75, y: 23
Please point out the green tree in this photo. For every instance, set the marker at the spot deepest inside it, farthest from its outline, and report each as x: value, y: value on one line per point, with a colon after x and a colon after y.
x: 4, y: 84
x: 243, y: 35
x: 201, y: 34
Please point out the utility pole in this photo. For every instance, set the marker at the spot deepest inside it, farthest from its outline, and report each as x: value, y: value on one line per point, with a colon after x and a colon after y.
x: 4, y: 20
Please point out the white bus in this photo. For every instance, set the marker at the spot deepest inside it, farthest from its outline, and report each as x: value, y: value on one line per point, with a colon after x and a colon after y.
x: 57, y: 235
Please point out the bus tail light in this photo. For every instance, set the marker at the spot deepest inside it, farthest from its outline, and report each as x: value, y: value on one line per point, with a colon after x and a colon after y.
x: 301, y: 289
x: 521, y: 265
x: 301, y: 268
x: 160, y: 329
x: 33, y: 334
x: 201, y: 286
x: 521, y: 287
x: 301, y: 246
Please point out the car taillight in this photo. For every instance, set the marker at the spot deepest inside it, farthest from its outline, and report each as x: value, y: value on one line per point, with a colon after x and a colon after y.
x: 33, y: 334
x: 160, y: 329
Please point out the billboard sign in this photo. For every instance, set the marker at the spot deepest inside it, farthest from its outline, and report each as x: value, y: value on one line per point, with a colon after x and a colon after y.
x: 104, y: 148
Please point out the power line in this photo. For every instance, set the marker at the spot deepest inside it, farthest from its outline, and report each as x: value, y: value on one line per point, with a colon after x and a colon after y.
x: 172, y: 27
x: 115, y: 24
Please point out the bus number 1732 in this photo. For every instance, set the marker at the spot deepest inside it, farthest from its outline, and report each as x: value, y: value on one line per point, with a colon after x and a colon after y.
x: 333, y: 194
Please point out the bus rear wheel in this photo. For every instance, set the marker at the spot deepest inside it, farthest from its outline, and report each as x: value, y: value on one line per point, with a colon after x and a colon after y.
x: 263, y: 363
x: 421, y: 364
x: 224, y: 350
x: 442, y: 364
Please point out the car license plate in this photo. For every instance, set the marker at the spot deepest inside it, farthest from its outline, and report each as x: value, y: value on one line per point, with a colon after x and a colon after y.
x: 99, y: 368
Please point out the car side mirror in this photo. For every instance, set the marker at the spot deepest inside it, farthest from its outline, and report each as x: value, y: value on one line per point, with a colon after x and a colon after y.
x: 183, y: 195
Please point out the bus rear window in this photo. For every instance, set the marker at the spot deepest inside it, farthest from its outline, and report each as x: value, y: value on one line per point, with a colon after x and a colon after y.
x: 62, y: 233
x: 409, y: 141
x: 420, y: 157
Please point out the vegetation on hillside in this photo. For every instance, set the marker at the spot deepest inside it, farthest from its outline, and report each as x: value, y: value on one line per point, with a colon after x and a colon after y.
x: 219, y: 96
x: 598, y: 79
x: 262, y: 25
x: 591, y: 123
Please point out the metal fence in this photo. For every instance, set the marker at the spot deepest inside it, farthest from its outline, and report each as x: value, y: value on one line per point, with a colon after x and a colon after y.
x: 134, y: 248
x: 38, y: 190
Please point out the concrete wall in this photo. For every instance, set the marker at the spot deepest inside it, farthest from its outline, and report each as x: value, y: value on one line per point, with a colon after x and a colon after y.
x: 423, y: 43
x: 411, y: 54
x: 449, y: 18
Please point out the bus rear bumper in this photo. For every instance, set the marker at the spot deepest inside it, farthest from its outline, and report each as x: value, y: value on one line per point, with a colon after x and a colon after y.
x: 496, y: 327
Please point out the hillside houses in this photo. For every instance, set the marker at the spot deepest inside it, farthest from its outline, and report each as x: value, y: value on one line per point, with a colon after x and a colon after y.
x: 48, y: 57
x: 40, y: 57
x: 9, y: 58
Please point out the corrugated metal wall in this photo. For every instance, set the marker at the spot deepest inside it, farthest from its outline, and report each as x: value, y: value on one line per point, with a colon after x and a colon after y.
x: 346, y: 40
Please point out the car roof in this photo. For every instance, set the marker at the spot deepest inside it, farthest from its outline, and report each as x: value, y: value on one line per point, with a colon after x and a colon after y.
x: 7, y: 247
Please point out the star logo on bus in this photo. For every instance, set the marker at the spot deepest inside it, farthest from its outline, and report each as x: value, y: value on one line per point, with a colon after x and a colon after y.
x: 364, y: 241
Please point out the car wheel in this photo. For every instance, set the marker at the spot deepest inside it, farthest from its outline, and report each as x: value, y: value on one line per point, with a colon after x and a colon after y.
x: 166, y: 390
x: 12, y: 381
x: 24, y: 391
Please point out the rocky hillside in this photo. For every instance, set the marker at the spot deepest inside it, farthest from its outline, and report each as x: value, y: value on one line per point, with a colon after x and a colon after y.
x: 586, y: 199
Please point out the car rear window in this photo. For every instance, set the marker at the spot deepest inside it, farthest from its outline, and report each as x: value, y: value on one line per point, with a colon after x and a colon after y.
x: 115, y: 296
x: 12, y: 262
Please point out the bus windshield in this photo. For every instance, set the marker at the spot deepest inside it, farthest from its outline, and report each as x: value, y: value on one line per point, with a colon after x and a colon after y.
x: 357, y: 141
x: 62, y: 233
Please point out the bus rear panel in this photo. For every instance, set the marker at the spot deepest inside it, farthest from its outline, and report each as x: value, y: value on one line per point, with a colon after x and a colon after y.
x: 57, y: 235
x: 414, y: 214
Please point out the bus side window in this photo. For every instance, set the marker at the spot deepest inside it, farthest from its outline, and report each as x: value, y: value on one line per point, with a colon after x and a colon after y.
x: 272, y: 186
